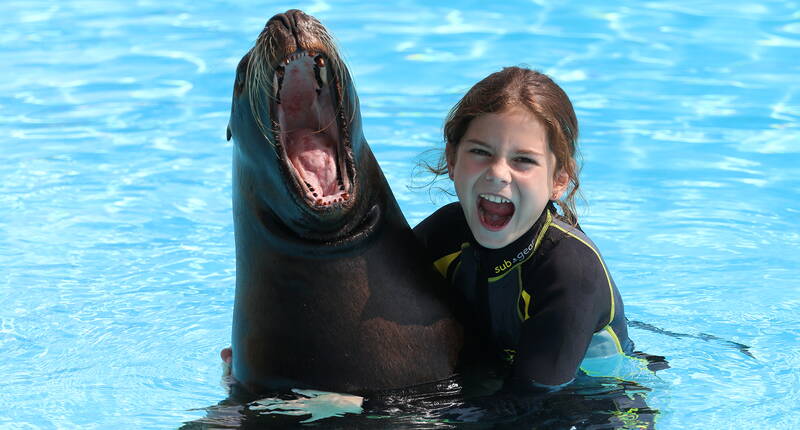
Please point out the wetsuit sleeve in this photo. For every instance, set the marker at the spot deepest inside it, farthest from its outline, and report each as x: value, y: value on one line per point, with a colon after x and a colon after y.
x: 572, y: 298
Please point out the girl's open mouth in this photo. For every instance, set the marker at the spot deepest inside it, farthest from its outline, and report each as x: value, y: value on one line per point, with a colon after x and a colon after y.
x: 494, y: 211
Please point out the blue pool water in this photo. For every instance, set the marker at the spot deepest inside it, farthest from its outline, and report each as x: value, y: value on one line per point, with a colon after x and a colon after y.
x: 116, y: 238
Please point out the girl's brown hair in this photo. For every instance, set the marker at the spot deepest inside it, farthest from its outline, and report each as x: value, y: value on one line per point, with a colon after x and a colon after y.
x: 536, y: 92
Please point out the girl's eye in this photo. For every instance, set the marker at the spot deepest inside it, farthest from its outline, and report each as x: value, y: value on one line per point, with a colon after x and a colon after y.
x: 525, y: 160
x: 478, y: 151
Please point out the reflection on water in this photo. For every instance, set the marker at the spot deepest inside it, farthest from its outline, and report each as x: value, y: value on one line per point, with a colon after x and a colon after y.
x: 590, y: 402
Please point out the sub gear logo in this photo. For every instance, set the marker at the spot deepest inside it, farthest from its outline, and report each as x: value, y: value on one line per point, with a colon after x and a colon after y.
x: 506, y: 264
x: 521, y: 255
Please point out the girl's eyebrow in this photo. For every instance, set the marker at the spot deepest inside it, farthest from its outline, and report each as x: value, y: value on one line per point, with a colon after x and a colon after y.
x: 529, y: 152
x: 520, y: 152
x: 478, y: 142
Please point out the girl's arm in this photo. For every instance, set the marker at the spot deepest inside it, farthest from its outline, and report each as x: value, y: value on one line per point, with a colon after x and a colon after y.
x: 571, y: 302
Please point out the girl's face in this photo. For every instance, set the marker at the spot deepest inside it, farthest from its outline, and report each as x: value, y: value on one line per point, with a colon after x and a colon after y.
x: 504, y: 174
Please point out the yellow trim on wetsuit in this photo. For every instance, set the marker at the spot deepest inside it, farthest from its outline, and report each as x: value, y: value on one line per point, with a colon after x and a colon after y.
x: 443, y: 263
x: 608, y: 278
x: 614, y: 336
x: 547, y: 222
x: 527, y: 299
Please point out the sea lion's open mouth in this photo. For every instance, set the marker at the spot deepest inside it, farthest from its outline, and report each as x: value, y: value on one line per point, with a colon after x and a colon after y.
x: 311, y: 129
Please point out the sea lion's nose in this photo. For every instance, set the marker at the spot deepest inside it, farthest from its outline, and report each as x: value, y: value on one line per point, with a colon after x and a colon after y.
x: 290, y: 19
x: 282, y: 19
x: 297, y: 16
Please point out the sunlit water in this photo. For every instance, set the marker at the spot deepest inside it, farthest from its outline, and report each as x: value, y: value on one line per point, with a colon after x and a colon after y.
x: 116, y: 237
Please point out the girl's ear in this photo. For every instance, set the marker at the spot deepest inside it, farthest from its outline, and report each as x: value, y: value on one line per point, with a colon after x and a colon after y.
x: 560, y: 183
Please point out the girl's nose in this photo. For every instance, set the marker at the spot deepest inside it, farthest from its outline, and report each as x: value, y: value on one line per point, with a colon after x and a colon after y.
x: 498, y: 172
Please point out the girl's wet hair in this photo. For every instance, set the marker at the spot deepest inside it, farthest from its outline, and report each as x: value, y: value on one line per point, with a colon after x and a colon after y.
x: 517, y: 87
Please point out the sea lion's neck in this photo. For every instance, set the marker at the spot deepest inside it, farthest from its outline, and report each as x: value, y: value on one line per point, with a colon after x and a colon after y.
x: 281, y: 239
x: 300, y: 232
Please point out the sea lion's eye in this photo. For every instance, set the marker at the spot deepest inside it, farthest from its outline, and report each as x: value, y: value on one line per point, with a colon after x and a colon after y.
x: 241, y: 74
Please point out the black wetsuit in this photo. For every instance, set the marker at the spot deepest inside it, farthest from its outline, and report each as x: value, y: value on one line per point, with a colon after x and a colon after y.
x: 543, y: 300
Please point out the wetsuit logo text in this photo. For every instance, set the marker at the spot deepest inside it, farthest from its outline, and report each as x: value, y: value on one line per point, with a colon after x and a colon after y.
x: 520, y: 256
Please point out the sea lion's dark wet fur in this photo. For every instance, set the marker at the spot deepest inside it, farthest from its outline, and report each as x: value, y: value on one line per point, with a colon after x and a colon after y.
x: 338, y: 297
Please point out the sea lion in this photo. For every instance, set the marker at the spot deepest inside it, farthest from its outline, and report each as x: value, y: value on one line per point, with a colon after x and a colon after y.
x: 332, y: 289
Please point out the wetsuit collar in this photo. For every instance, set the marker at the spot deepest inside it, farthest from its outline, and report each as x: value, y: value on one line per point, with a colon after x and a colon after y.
x: 498, y: 262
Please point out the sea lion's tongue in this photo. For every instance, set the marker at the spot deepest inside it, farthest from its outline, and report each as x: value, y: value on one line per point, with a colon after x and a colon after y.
x: 495, y: 214
x: 313, y: 155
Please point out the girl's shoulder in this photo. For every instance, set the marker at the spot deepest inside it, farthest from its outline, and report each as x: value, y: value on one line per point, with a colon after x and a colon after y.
x: 564, y: 234
x: 567, y: 249
x: 446, y: 214
x: 444, y: 230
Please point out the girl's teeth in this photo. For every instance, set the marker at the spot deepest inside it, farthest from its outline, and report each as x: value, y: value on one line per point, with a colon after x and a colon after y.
x: 495, y: 199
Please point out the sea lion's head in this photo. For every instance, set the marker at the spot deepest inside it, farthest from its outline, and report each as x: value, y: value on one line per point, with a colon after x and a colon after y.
x: 296, y: 123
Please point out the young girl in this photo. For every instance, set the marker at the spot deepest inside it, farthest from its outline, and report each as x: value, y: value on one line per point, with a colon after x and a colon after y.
x: 534, y: 280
